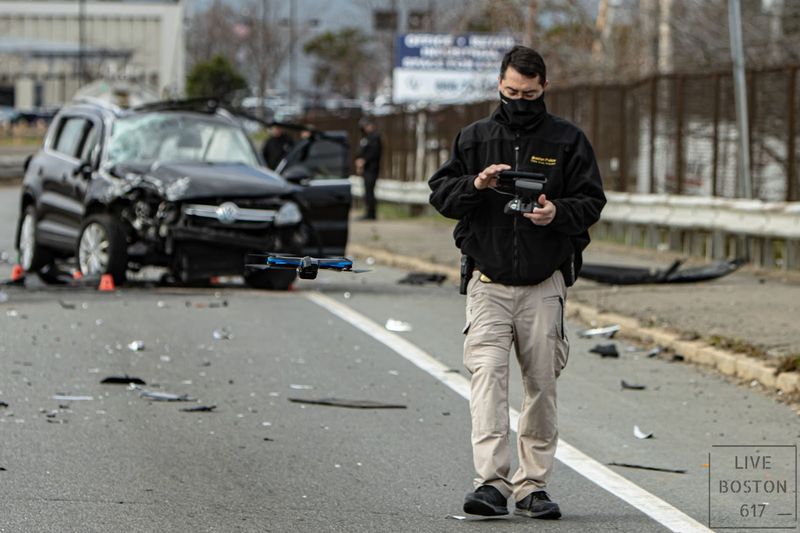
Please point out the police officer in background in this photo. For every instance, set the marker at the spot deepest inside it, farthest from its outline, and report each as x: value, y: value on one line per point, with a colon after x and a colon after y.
x: 368, y: 163
x: 523, y: 265
x: 277, y: 146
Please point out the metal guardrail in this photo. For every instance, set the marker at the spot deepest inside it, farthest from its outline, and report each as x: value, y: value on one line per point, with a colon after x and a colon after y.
x: 12, y: 166
x: 767, y: 233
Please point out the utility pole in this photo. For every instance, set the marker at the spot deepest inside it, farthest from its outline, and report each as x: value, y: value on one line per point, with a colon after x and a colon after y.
x: 745, y: 186
x: 293, y: 45
x: 81, y: 41
x: 530, y: 24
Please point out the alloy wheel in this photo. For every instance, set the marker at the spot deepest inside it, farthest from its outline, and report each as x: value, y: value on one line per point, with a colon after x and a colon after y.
x: 93, y: 250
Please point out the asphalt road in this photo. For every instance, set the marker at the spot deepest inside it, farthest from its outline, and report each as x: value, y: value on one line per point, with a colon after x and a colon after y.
x: 259, y: 462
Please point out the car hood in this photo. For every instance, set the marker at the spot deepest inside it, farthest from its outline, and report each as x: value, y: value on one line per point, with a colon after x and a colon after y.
x: 187, y: 181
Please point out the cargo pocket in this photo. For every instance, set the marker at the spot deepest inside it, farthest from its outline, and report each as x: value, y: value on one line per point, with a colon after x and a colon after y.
x: 562, y: 342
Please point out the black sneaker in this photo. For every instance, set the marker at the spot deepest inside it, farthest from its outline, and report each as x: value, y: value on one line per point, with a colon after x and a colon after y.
x: 486, y: 501
x: 538, y: 505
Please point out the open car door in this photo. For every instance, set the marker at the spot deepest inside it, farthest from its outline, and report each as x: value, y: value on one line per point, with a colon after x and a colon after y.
x: 321, y: 165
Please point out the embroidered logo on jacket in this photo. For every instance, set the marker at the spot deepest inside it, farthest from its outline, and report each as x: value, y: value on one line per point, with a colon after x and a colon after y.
x: 547, y: 161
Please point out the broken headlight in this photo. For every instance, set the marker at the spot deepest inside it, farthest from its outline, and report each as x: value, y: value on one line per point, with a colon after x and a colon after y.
x: 288, y: 215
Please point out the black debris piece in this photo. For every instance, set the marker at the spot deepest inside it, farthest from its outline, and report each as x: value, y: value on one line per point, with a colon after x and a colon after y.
x: 618, y: 275
x: 422, y: 278
x: 122, y: 380
x: 352, y: 404
x: 66, y: 305
x: 3, y: 404
x: 2, y: 469
x: 630, y: 386
x: 269, y: 439
x: 678, y: 357
x: 605, y: 350
x: 199, y: 409
x: 653, y: 468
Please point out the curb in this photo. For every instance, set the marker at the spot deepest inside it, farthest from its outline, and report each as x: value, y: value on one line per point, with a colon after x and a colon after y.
x: 727, y: 363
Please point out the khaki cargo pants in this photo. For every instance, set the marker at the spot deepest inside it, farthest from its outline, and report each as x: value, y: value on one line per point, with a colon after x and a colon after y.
x: 532, y: 318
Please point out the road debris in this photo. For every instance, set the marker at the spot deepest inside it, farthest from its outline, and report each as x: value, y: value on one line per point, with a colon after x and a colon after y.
x: 653, y: 468
x: 607, y: 332
x: 136, y: 346
x: 3, y: 297
x: 456, y: 517
x: 3, y: 404
x: 397, y: 325
x: 122, y: 380
x: 161, y: 396
x: 199, y: 409
x: 605, y: 350
x: 352, y: 404
x: 639, y: 434
x: 422, y: 278
x: 66, y: 305
x: 619, y: 275
x: 71, y: 398
x: 296, y: 386
x: 223, y: 334
x: 655, y: 351
x: 630, y: 386
x: 678, y: 357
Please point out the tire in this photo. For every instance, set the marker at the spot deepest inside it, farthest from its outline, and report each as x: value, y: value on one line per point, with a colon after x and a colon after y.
x: 102, y: 248
x: 32, y: 255
x: 274, y: 280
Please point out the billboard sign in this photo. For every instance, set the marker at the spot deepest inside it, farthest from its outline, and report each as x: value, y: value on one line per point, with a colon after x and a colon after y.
x: 440, y: 67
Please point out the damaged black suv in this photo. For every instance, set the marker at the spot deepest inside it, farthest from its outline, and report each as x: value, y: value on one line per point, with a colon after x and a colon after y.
x: 177, y: 185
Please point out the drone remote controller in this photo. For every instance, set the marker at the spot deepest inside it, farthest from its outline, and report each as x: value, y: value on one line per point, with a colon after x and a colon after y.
x: 526, y: 188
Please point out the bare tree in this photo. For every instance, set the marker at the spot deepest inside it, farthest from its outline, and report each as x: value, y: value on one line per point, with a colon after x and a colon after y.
x: 211, y: 33
x: 268, y: 44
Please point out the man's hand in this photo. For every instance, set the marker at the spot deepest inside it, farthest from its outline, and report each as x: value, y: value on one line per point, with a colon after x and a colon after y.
x: 488, y: 177
x: 544, y: 215
x: 360, y: 166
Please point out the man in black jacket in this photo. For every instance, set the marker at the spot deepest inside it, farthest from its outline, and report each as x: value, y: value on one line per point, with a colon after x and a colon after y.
x: 277, y: 146
x: 524, y: 263
x: 368, y: 164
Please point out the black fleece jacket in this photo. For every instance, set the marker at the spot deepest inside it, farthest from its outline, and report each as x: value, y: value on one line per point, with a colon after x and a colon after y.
x: 510, y: 249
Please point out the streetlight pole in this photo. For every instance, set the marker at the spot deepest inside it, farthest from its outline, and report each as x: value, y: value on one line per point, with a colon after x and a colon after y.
x: 745, y: 186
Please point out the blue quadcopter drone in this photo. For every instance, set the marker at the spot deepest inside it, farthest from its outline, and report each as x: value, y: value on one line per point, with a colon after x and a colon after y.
x: 307, y: 267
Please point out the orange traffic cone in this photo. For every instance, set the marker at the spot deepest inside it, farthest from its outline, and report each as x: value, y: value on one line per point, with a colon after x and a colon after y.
x: 106, y: 283
x: 17, y: 273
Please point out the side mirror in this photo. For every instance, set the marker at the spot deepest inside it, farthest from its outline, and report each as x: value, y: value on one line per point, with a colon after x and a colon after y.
x: 297, y: 174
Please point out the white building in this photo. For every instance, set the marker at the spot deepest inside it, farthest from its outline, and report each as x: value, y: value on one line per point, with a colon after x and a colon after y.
x: 48, y: 48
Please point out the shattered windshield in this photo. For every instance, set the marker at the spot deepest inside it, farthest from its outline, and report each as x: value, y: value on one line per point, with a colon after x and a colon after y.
x: 162, y: 137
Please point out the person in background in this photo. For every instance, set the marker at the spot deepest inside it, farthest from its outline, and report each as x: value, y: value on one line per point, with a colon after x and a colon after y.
x: 277, y: 146
x: 368, y: 164
x: 524, y: 263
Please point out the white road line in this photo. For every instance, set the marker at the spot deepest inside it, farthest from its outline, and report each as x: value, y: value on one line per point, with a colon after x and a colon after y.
x: 651, y: 505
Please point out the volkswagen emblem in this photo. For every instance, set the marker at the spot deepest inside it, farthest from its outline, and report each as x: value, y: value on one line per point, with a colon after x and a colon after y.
x: 227, y: 213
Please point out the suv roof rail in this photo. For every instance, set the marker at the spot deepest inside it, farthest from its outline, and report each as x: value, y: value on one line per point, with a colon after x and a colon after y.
x: 200, y: 104
x: 100, y: 102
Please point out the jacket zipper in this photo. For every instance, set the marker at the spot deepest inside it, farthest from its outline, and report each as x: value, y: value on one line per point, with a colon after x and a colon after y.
x: 515, y: 260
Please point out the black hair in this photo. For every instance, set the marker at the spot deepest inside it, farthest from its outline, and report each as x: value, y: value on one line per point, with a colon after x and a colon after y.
x: 526, y: 61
